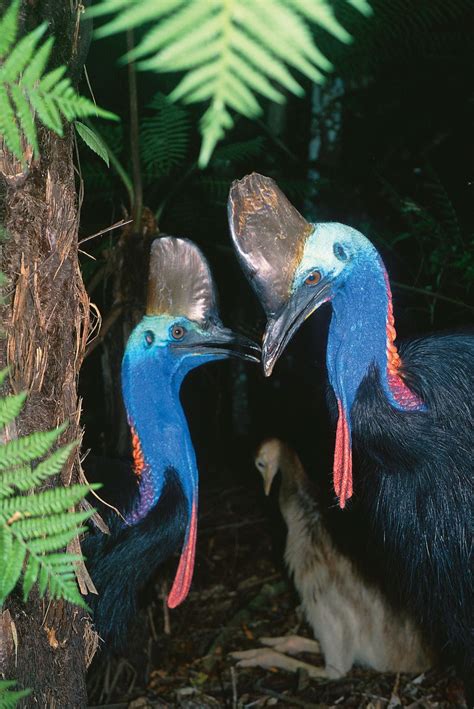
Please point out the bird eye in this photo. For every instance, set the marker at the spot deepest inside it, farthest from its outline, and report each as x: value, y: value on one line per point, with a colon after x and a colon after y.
x: 260, y: 464
x: 313, y: 278
x: 340, y: 252
x: 149, y: 337
x: 178, y: 332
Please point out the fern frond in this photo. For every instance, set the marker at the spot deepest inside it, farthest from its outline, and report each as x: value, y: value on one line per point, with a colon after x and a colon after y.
x: 25, y: 90
x: 10, y: 407
x: 9, y: 698
x: 25, y: 477
x: 28, y: 448
x: 48, y: 502
x: 216, y: 189
x: 239, y: 150
x: 164, y: 137
x: 9, y: 28
x: 233, y: 50
x: 35, y: 528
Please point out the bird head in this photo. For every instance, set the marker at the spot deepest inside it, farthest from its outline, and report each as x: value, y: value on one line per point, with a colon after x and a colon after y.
x: 267, y: 461
x: 181, y: 329
x: 293, y: 266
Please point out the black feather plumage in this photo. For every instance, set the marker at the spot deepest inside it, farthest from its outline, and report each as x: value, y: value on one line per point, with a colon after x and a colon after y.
x: 120, y: 564
x: 415, y: 475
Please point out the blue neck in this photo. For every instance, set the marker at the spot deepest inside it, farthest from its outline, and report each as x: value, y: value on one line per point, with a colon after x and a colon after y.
x: 360, y: 334
x: 155, y: 414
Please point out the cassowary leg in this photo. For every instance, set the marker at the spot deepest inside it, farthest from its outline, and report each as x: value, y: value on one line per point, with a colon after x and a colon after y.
x: 292, y: 644
x: 267, y: 658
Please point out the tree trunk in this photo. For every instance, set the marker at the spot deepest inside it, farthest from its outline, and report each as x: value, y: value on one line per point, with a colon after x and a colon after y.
x: 45, y: 315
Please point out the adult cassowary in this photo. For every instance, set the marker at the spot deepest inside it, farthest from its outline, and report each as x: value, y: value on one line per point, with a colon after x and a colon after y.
x: 404, y: 410
x: 180, y: 331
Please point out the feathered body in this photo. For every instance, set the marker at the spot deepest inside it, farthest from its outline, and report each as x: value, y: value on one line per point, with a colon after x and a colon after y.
x: 123, y: 562
x: 414, y: 473
x: 405, y: 411
x: 351, y: 619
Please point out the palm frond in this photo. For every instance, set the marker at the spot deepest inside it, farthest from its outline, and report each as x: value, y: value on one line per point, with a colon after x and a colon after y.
x: 27, y: 91
x: 231, y: 50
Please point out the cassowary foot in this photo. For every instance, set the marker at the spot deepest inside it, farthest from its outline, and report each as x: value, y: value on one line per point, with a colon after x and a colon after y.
x: 267, y: 659
x: 292, y: 644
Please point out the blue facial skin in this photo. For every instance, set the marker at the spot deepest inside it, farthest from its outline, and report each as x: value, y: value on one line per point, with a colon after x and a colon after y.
x: 152, y: 373
x: 360, y: 299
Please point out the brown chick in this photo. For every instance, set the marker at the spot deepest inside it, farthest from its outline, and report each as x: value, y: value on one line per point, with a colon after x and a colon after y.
x: 351, y: 619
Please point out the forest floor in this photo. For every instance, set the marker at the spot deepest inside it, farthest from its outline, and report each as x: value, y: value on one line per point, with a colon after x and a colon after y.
x: 180, y: 658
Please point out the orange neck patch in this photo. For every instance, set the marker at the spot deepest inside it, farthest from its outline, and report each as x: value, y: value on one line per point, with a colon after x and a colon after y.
x: 137, y: 453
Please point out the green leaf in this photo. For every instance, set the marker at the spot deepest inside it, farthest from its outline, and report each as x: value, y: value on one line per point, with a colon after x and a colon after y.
x: 35, y: 69
x: 93, y: 141
x: 49, y: 502
x: 240, y: 150
x: 25, y: 88
x: 164, y: 137
x: 35, y: 528
x: 21, y: 55
x: 9, y: 27
x: 8, y: 126
x: 4, y: 374
x: 230, y: 49
x: 172, y: 28
x: 10, y: 407
x: 25, y: 117
x: 135, y: 12
x: 12, y: 555
x: 8, y: 698
x: 27, y: 448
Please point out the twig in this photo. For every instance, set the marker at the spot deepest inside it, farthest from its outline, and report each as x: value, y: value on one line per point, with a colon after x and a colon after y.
x: 101, y: 525
x: 233, y: 677
x: 232, y: 525
x: 152, y: 624
x: 247, y: 585
x: 166, y: 611
x: 431, y: 294
x: 107, y: 324
x: 137, y: 205
x: 117, y: 225
x: 289, y: 700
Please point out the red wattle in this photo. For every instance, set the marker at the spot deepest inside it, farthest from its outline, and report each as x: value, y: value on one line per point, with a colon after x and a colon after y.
x: 184, y: 574
x: 342, y: 470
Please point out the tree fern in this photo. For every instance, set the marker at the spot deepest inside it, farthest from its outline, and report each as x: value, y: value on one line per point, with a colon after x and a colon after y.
x: 26, y: 89
x: 231, y: 50
x: 35, y: 528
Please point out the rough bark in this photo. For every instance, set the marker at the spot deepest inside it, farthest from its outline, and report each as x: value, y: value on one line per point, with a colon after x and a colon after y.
x: 43, y: 644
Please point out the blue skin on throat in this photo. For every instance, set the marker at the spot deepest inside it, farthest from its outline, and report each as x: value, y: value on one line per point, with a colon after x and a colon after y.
x: 152, y: 374
x: 360, y: 301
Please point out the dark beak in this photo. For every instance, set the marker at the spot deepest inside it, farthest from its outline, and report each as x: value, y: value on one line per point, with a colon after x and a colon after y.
x: 281, y: 328
x: 220, y: 340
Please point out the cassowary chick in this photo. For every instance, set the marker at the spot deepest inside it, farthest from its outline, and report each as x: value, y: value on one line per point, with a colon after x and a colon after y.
x: 351, y: 620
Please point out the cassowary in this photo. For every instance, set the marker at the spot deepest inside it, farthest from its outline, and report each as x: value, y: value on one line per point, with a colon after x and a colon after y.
x: 350, y: 618
x: 180, y: 331
x: 404, y: 411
